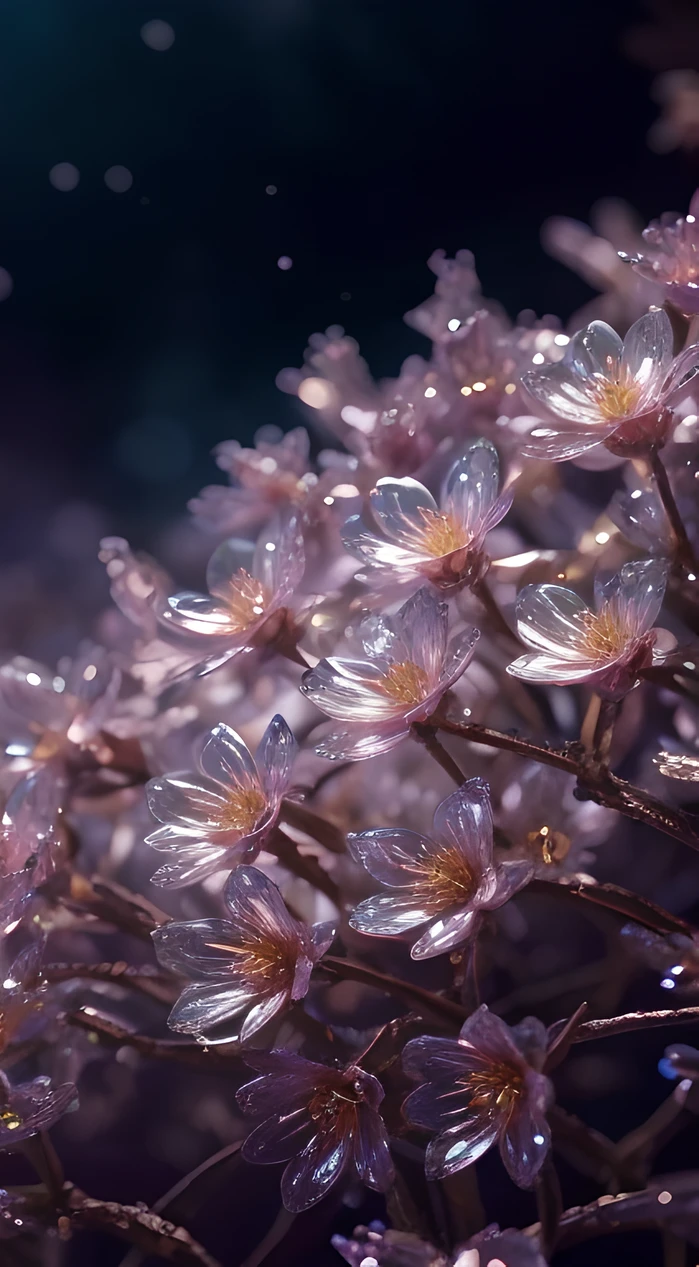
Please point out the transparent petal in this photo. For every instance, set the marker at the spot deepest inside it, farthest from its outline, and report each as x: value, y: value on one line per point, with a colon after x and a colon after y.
x: 203, y: 1006
x: 257, y: 908
x: 448, y: 931
x: 279, y: 1139
x: 491, y: 1038
x: 471, y: 486
x: 372, y: 1154
x: 322, y: 937
x: 302, y: 975
x: 459, y: 655
x: 346, y: 689
x: 389, y: 854
x: 565, y: 393
x: 275, y: 757
x: 548, y: 668
x: 526, y: 1140
x: 39, y: 1106
x: 171, y: 839
x: 387, y: 915
x: 647, y: 353
x: 442, y: 1103
x: 227, y: 559
x: 423, y: 623
x: 639, y: 589
x: 464, y: 821
x: 263, y: 1012
x: 431, y: 1057
x: 552, y: 619
x: 198, y: 614
x: 459, y: 1147
x: 189, y: 799
x: 547, y: 443
x: 510, y: 878
x: 28, y: 695
x: 279, y: 559
x: 356, y: 743
x: 192, y: 866
x: 225, y: 758
x: 362, y: 540
x: 308, y: 1176
x: 396, y: 505
x: 198, y: 948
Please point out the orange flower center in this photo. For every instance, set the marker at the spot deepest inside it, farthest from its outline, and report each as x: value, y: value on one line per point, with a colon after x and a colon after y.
x: 406, y: 683
x: 10, y: 1119
x: 334, y: 1109
x: 605, y: 633
x: 260, y: 958
x: 244, y: 806
x: 441, y: 534
x: 446, y: 879
x: 496, y: 1089
x: 246, y: 599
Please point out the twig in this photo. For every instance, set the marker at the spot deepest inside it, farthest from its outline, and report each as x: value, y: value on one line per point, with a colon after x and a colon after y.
x: 423, y: 1001
x: 560, y: 1046
x: 485, y: 596
x: 684, y: 552
x: 612, y: 898
x: 143, y: 979
x: 427, y: 735
x: 107, y: 901
x: 305, y: 866
x: 598, y: 785
x: 206, y: 1059
x: 631, y: 1210
x: 612, y: 1025
x: 549, y: 1206
x: 297, y: 814
x: 137, y: 1224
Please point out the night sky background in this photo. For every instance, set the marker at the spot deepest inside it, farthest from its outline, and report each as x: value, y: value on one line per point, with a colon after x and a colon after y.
x: 145, y: 326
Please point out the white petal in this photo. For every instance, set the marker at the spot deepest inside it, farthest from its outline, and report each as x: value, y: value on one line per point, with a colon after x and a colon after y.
x: 552, y: 618
x: 226, y: 759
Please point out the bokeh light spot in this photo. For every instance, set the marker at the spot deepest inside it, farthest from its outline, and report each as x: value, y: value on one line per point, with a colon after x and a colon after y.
x: 118, y: 179
x: 64, y: 177
x: 158, y: 35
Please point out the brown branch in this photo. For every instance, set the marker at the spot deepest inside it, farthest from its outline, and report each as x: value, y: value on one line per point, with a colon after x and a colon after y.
x: 427, y: 735
x: 305, y: 866
x: 134, y: 1223
x: 630, y: 1210
x: 423, y: 1001
x: 143, y: 979
x: 685, y: 557
x: 611, y: 1025
x: 612, y: 898
x: 106, y: 901
x: 594, y: 783
x: 492, y: 609
x: 206, y: 1059
x: 298, y: 815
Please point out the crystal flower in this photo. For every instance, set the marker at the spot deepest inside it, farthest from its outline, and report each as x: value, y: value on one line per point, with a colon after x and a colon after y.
x: 482, y: 1088
x: 20, y: 995
x: 30, y: 846
x: 30, y: 1107
x: 538, y: 817
x: 219, y: 816
x: 378, y: 1246
x: 639, y: 515
x: 323, y: 1121
x: 610, y: 392
x: 411, y: 536
x: 402, y: 667
x: 607, y: 647
x: 273, y: 474
x: 248, y: 967
x: 671, y: 256
x: 249, y: 589
x: 444, y: 880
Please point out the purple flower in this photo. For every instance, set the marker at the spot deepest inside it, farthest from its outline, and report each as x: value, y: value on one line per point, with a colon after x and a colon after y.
x: 606, y: 391
x: 508, y: 1248
x: 32, y: 1106
x: 272, y: 475
x: 249, y: 967
x: 402, y: 668
x: 30, y: 846
x: 411, y: 537
x: 671, y: 257
x: 479, y: 1089
x: 219, y: 816
x: 249, y: 589
x: 387, y: 1247
x: 21, y: 997
x: 323, y: 1121
x: 607, y: 647
x: 444, y: 880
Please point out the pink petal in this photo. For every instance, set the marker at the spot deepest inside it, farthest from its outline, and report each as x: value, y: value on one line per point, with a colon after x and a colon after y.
x: 639, y: 589
x: 225, y: 758
x: 388, y: 915
x: 464, y: 821
x: 471, y: 486
x: 647, y: 354
x: 444, y: 1102
x: 431, y: 1057
x: 192, y: 800
x: 552, y: 619
x: 396, y: 505
x: 547, y: 668
x: 510, y: 878
x: 491, y: 1038
x: 547, y: 443
x: 526, y: 1141
x: 279, y: 559
x: 346, y: 689
x: 458, y: 656
x: 198, y: 948
x: 202, y: 1007
x: 423, y: 623
x: 595, y: 351
x: 372, y: 1154
x: 193, y: 864
x: 356, y: 743
x: 257, y: 908
x: 197, y: 614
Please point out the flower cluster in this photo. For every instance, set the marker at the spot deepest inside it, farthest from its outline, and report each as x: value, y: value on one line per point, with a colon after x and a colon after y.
x: 418, y: 750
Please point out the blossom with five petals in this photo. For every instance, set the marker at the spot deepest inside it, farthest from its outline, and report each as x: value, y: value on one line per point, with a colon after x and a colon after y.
x: 219, y: 816
x: 607, y: 647
x: 403, y: 666
x: 444, y: 880
x: 323, y: 1121
x: 609, y: 391
x: 413, y: 538
x: 482, y: 1088
x: 244, y: 969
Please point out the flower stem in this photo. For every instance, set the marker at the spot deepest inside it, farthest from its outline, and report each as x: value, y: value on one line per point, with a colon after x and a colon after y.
x: 113, y: 1035
x: 600, y: 720
x: 427, y: 735
x: 42, y: 1155
x: 612, y: 1025
x: 305, y: 866
x: 424, y: 1001
x: 143, y: 979
x: 297, y: 814
x: 492, y: 608
x: 685, y: 557
x: 549, y: 1206
x: 612, y: 898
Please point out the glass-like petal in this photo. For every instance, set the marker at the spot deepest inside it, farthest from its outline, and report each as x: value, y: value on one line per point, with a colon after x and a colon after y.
x: 309, y: 1175
x: 193, y: 864
x: 322, y: 937
x: 459, y: 1147
x: 448, y: 931
x: 203, y: 1006
x: 198, y: 614
x: 424, y: 622
x: 595, y: 351
x: 389, y: 854
x: 279, y: 1139
x: 362, y: 540
x: 565, y: 394
x: 491, y: 1037
x: 526, y: 1140
x: 548, y: 668
x: 396, y: 505
x: 639, y: 589
x: 386, y: 915
x: 647, y: 353
x: 510, y: 878
x: 263, y: 1012
x: 547, y: 443
x: 190, y: 799
x: 464, y: 821
x: 198, y: 948
x: 336, y: 687
x: 226, y: 560
x: 552, y: 619
x: 279, y: 559
x: 458, y: 655
x: 275, y: 757
x: 442, y: 1103
x: 471, y: 485
x: 356, y: 743
x: 257, y: 907
x: 372, y: 1154
x: 225, y: 758
x: 431, y: 1057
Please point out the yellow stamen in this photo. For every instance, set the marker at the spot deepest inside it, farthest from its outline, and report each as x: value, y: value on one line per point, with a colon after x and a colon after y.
x: 497, y: 1088
x: 406, y: 683
x: 617, y: 398
x: 244, y: 805
x: 441, y: 534
x: 605, y: 633
x: 246, y: 599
